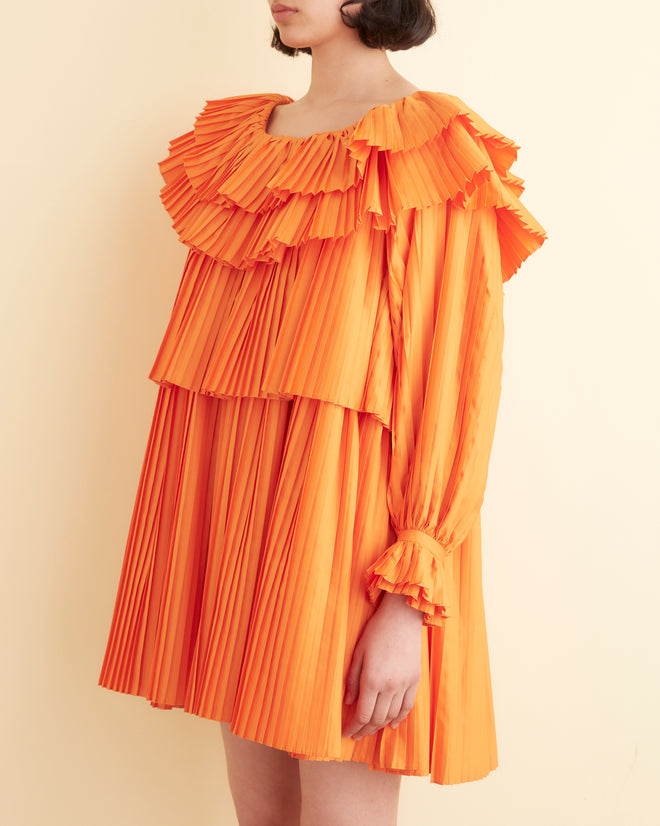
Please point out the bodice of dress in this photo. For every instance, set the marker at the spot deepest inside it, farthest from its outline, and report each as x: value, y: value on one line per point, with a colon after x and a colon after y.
x: 292, y: 285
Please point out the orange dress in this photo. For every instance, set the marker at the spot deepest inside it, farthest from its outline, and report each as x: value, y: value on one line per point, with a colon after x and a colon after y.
x: 328, y: 390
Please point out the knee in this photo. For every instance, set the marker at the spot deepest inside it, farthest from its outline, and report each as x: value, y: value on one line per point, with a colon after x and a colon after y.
x: 343, y: 793
x: 269, y: 813
x: 264, y: 782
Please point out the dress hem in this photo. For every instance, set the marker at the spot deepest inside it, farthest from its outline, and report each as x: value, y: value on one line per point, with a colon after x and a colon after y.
x: 408, y: 772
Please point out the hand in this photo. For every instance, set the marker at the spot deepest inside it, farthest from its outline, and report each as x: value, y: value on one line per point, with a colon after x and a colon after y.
x: 386, y: 668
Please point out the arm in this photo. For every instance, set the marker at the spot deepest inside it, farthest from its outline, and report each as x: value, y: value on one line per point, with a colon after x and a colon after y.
x: 449, y: 341
x: 446, y: 296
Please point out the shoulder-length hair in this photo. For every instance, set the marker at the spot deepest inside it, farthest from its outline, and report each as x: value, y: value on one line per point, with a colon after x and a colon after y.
x: 381, y: 24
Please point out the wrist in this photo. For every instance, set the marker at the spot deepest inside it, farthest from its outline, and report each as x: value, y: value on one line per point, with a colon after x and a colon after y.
x: 399, y: 602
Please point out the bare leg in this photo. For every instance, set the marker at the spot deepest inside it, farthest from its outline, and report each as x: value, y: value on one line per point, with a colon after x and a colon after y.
x: 264, y: 782
x: 343, y: 793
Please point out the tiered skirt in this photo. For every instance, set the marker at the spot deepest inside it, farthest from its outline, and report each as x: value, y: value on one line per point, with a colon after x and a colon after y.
x: 242, y: 591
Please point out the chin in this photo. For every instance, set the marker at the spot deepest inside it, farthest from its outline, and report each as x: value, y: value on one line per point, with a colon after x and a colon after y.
x: 289, y: 39
x: 296, y: 44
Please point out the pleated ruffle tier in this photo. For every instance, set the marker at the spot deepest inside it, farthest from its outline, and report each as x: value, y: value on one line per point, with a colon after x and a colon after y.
x: 328, y: 391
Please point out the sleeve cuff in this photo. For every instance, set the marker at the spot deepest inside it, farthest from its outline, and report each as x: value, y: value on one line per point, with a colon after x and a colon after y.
x: 420, y: 567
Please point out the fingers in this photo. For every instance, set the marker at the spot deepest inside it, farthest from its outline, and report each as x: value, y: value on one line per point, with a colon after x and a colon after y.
x: 385, y: 710
x: 407, y: 703
x: 395, y: 709
x: 370, y: 714
x: 376, y: 710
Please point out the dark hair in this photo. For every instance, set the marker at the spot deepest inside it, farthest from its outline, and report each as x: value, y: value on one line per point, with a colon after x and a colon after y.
x: 381, y: 24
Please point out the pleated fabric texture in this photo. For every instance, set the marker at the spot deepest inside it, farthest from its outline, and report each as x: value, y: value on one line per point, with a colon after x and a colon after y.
x: 328, y: 390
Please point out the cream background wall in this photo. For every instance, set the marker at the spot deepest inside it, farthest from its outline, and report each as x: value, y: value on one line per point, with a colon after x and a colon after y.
x: 91, y: 95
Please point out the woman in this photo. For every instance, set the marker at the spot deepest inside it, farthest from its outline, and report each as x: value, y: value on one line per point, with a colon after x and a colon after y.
x: 303, y: 563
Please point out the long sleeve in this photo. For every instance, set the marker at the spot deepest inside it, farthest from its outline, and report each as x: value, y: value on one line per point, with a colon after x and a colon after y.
x: 446, y: 300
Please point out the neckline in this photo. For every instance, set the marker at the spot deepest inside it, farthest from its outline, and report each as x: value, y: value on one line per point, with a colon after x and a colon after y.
x: 280, y: 99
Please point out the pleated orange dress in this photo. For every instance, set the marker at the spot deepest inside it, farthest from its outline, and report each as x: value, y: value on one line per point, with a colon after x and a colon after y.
x: 328, y: 390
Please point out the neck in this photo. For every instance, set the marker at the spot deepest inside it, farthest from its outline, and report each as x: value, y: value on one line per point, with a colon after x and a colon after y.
x: 349, y: 71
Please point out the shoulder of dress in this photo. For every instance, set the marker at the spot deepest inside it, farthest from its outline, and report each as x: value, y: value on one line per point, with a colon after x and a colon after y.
x: 243, y: 103
x: 449, y: 143
x: 415, y: 119
x: 431, y: 148
x: 221, y: 115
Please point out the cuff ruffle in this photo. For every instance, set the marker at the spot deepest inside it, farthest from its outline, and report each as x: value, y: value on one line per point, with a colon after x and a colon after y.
x: 420, y: 567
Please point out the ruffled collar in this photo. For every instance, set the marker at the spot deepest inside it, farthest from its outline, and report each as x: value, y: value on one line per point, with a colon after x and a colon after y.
x: 407, y: 122
x: 394, y: 111
x: 243, y: 195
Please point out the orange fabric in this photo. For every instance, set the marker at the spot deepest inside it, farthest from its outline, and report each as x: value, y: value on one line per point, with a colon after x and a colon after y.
x: 328, y: 391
